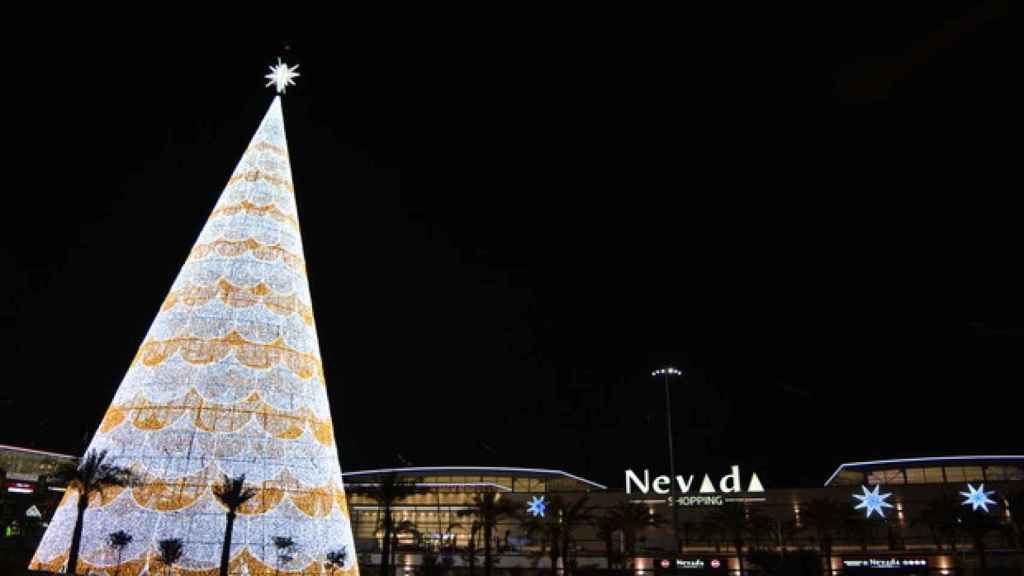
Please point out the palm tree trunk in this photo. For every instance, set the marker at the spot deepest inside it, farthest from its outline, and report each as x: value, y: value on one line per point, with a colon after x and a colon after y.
x: 225, y: 551
x: 76, y: 536
x: 739, y: 554
x: 609, y: 551
x: 385, y: 552
x: 826, y: 551
x: 566, y: 561
x: 553, y: 554
x: 979, y: 547
x: 488, y: 528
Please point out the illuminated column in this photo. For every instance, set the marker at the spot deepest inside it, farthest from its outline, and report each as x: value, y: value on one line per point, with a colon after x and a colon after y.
x: 228, y: 380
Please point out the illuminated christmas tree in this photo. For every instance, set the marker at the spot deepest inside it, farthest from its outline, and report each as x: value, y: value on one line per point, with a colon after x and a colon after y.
x: 228, y: 382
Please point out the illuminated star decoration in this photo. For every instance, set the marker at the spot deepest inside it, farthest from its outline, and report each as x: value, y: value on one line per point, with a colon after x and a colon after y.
x: 536, y: 506
x: 282, y: 76
x: 977, y: 498
x: 872, y: 501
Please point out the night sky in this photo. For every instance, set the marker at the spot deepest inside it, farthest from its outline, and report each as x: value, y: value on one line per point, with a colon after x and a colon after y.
x: 508, y: 226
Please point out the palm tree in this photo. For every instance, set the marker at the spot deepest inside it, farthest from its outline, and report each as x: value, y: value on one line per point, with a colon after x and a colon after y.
x: 711, y: 533
x: 732, y: 519
x: 763, y: 526
x: 285, y: 550
x: 606, y: 526
x: 939, y: 517
x: 403, y: 527
x: 470, y: 552
x: 546, y: 530
x: 336, y: 559
x: 1015, y: 506
x: 633, y: 518
x: 389, y: 490
x: 232, y: 494
x: 448, y: 539
x: 826, y: 516
x: 119, y: 541
x: 688, y: 529
x: 571, y: 517
x: 977, y: 525
x: 171, y: 550
x: 488, y: 507
x: 91, y: 476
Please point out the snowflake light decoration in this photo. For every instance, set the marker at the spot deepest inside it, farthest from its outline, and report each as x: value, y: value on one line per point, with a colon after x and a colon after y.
x: 872, y: 501
x: 536, y: 506
x: 977, y: 498
x: 282, y: 76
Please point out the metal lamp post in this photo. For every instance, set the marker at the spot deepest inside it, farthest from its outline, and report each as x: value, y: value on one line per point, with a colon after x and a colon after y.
x: 666, y: 373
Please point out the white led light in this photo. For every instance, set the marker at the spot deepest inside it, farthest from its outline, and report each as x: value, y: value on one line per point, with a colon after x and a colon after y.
x: 227, y: 381
x: 871, y: 501
x: 281, y: 76
x: 977, y: 498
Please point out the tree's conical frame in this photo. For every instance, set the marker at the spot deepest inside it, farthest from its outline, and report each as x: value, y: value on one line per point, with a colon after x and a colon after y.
x: 227, y: 381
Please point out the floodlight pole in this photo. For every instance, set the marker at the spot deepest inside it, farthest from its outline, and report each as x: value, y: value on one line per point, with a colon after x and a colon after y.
x: 666, y: 373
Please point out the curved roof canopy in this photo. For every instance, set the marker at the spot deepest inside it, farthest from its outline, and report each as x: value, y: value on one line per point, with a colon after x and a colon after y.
x: 922, y: 462
x: 488, y: 471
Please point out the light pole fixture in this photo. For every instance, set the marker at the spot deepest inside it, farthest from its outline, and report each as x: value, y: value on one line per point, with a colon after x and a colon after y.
x: 667, y: 373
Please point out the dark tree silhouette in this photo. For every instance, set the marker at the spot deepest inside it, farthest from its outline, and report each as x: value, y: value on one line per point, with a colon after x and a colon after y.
x: 285, y: 550
x: 826, y: 517
x: 91, y: 476
x: 605, y: 527
x: 119, y: 541
x: 977, y: 525
x: 388, y: 491
x: 488, y: 507
x: 939, y: 516
x: 232, y: 494
x: 336, y: 559
x: 1015, y: 504
x: 734, y: 522
x: 556, y: 528
x: 171, y: 550
x: 631, y: 519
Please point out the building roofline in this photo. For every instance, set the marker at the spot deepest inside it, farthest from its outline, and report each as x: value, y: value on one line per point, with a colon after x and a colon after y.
x: 34, y: 451
x: 916, y: 460
x: 489, y: 469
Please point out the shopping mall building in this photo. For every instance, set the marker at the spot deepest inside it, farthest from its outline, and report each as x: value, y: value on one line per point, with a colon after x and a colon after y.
x: 27, y: 500
x: 904, y: 534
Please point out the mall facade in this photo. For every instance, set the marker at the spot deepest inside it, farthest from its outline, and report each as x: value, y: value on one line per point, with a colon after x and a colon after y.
x: 905, y: 533
x: 28, y: 499
x: 911, y: 502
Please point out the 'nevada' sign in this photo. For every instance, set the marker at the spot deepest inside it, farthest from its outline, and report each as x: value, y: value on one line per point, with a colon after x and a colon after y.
x: 729, y: 488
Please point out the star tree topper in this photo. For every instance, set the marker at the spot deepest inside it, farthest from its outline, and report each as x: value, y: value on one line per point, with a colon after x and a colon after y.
x: 536, y: 506
x: 872, y: 501
x: 977, y: 498
x: 282, y: 76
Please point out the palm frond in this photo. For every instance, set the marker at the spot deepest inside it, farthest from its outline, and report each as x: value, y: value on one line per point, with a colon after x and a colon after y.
x: 233, y: 493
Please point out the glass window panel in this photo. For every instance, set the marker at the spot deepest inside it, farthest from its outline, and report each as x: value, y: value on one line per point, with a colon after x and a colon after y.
x: 995, y: 473
x: 886, y: 477
x: 915, y: 476
x: 933, y: 475
x: 973, y: 474
x: 849, y: 478
x: 954, y: 474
